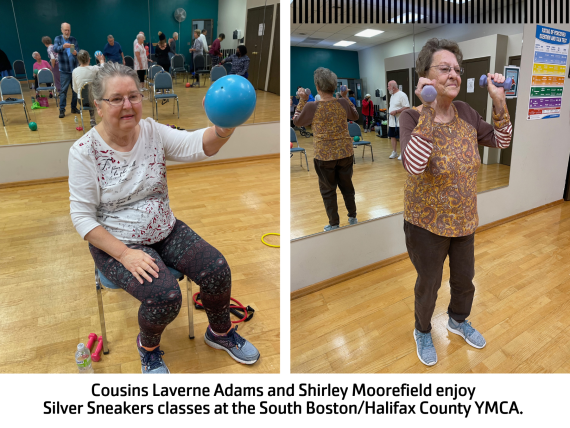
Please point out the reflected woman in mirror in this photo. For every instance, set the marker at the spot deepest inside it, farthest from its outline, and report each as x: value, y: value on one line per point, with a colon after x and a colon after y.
x: 334, y: 153
x: 440, y: 152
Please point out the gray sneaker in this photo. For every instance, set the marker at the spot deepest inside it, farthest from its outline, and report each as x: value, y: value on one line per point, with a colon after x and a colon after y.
x: 425, y: 349
x: 329, y: 227
x: 239, y: 349
x: 464, y: 329
x: 151, y: 361
x: 352, y: 220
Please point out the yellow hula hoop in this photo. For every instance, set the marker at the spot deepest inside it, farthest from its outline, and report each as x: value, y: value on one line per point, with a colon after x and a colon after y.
x: 269, y: 245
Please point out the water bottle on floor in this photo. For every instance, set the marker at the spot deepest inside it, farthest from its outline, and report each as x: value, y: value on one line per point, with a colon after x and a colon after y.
x: 83, y: 359
x: 76, y: 121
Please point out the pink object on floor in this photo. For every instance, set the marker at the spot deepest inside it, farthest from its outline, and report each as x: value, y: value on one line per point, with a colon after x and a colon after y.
x: 96, y: 356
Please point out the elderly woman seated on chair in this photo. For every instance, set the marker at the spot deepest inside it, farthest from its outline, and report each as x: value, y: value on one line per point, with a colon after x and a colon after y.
x: 120, y: 204
x: 85, y: 73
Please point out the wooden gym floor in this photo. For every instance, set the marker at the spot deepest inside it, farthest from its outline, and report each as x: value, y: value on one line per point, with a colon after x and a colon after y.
x: 379, y: 186
x: 48, y: 302
x: 522, y: 308
x: 52, y: 128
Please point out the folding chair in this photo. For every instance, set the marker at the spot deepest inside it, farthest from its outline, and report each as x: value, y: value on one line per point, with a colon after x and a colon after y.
x: 228, y: 66
x: 85, y: 101
x: 217, y: 72
x: 200, y: 66
x: 130, y: 62
x: 163, y: 81
x: 152, y: 72
x: 10, y: 86
x: 102, y: 282
x: 177, y: 66
x: 20, y: 71
x: 298, y: 149
x: 354, y: 130
x: 45, y: 75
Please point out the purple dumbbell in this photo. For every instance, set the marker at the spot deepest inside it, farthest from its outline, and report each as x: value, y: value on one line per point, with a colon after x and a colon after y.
x: 308, y: 91
x: 343, y: 88
x: 428, y: 93
x: 507, y: 84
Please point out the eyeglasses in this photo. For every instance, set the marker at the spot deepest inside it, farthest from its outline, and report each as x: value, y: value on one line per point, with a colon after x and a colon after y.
x: 446, y: 69
x: 118, y: 100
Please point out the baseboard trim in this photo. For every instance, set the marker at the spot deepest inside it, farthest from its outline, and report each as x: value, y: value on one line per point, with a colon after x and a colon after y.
x: 313, y: 288
x: 168, y: 168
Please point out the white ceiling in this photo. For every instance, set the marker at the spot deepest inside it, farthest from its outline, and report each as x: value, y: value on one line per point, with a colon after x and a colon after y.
x: 333, y: 33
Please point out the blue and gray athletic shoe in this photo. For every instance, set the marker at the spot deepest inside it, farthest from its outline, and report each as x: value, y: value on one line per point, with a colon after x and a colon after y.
x: 239, y: 349
x: 151, y: 361
x: 329, y: 227
x: 425, y: 349
x: 464, y: 329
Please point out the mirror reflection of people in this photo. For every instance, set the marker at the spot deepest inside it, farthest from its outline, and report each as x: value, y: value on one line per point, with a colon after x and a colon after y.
x: 113, y: 51
x: 120, y: 204
x: 368, y: 112
x: 440, y: 152
x: 38, y: 65
x: 334, y: 153
x: 398, y: 103
x: 161, y: 52
x: 215, y: 50
x: 53, y: 58
x: 195, y: 51
x: 240, y: 62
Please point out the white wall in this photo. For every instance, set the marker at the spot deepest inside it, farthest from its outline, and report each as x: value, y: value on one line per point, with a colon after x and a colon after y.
x: 541, y: 150
x: 231, y: 16
x: 25, y: 162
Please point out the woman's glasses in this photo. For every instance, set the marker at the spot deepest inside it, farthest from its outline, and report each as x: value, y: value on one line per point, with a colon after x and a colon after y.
x: 446, y: 69
x: 118, y: 100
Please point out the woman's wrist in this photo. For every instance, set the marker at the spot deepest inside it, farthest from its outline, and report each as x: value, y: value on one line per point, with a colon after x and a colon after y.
x: 122, y: 254
x: 222, y: 132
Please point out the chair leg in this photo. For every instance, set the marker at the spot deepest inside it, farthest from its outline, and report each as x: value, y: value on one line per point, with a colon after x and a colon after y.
x: 190, y: 304
x: 363, y: 149
x: 371, y: 153
x: 3, y: 124
x: 307, y: 162
x: 81, y: 114
x: 178, y: 107
x: 26, y: 113
x: 101, y: 313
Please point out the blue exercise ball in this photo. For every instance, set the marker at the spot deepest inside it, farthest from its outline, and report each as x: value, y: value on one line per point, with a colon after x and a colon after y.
x: 97, y: 53
x: 230, y: 101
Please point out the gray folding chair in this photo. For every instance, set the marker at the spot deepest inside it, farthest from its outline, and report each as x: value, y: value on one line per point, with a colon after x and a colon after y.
x: 163, y: 82
x: 217, y: 72
x: 85, y: 101
x: 10, y: 86
x: 130, y: 62
x: 102, y: 282
x: 354, y: 130
x: 177, y: 66
x: 298, y: 149
x: 200, y: 66
x: 20, y: 71
x: 152, y: 72
x: 45, y: 76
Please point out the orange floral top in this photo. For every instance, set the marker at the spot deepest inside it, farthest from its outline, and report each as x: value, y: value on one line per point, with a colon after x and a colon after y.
x: 330, y: 128
x: 440, y: 194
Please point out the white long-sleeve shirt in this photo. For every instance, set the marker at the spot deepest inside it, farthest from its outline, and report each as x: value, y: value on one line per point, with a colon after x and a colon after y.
x: 126, y: 192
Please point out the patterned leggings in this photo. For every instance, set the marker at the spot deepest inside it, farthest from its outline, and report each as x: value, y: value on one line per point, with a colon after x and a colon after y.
x: 161, y: 299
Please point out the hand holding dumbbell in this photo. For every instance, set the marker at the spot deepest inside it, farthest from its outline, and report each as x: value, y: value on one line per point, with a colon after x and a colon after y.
x: 507, y: 84
x: 343, y: 90
x: 426, y: 90
x: 303, y: 94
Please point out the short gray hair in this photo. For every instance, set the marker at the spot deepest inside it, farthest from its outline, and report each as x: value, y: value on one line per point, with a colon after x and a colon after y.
x: 110, y: 36
x: 139, y: 35
x: 34, y: 54
x: 325, y: 80
x: 432, y: 46
x: 175, y: 34
x: 108, y: 71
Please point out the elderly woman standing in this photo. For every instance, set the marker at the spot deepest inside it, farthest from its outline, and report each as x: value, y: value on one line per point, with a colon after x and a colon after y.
x: 161, y: 52
x: 141, y: 62
x: 196, y: 50
x: 334, y: 153
x: 120, y: 204
x: 53, y: 58
x: 439, y: 151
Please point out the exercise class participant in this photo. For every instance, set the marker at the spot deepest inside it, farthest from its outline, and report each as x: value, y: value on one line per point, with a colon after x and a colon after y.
x: 334, y: 153
x: 398, y: 103
x: 439, y: 151
x: 120, y: 204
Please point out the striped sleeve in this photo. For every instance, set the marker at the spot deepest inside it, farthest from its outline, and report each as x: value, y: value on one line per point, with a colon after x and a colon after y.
x: 503, y: 135
x: 416, y: 154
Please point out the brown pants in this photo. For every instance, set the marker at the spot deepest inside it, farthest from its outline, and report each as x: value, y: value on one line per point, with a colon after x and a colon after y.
x: 428, y: 252
x: 331, y: 174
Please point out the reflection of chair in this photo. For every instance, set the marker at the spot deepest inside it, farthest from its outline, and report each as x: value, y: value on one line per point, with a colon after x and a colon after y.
x: 102, y: 282
x: 130, y: 62
x: 46, y: 76
x: 152, y: 72
x: 217, y: 72
x: 354, y: 130
x: 20, y: 70
x: 10, y: 86
x: 163, y: 81
x: 177, y: 66
x: 200, y: 65
x: 228, y: 66
x: 298, y: 149
x: 84, y: 101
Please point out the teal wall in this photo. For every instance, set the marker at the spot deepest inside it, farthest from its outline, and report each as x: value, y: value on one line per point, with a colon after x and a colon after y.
x: 92, y: 21
x: 304, y: 61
